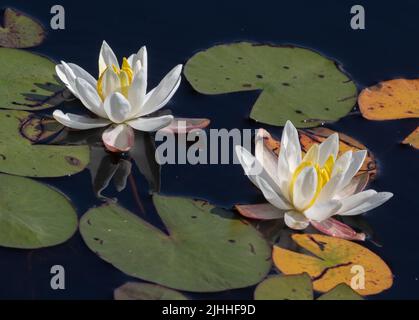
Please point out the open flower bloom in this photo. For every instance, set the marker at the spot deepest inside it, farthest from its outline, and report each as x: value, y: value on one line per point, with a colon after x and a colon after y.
x: 118, y: 98
x: 310, y: 188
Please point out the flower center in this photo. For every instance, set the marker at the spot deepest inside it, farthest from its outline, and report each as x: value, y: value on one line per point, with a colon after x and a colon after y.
x: 125, y: 75
x: 323, y: 176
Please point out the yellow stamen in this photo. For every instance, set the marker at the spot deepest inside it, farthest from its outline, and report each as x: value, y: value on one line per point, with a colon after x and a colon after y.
x: 125, y: 75
x: 323, y: 176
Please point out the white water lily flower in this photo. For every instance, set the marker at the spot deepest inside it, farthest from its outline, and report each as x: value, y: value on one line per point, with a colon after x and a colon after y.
x: 119, y: 97
x: 313, y: 188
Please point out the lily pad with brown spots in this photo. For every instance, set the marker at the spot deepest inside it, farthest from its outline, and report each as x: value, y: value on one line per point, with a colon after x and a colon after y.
x: 20, y: 156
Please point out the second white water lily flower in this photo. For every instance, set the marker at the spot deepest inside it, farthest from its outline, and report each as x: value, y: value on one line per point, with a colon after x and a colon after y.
x: 310, y: 188
x: 118, y: 98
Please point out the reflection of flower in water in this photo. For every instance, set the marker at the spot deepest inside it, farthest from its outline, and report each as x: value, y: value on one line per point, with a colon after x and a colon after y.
x: 118, y: 97
x: 313, y: 188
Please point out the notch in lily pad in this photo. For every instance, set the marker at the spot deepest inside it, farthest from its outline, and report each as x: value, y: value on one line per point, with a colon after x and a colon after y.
x: 296, y: 84
x: 20, y: 30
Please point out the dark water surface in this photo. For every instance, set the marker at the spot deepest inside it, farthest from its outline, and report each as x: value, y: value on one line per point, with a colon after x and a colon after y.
x: 173, y: 31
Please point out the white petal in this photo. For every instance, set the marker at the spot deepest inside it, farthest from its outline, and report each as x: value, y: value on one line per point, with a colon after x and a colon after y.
x: 68, y: 77
x: 142, y: 56
x: 79, y: 72
x: 266, y: 158
x: 356, y: 185
x: 110, y: 83
x: 329, y: 190
x: 323, y: 210
x: 106, y: 58
x: 304, y: 188
x: 329, y: 147
x: 60, y: 70
x: 364, y: 201
x: 90, y: 98
x: 119, y: 138
x: 131, y: 60
x: 296, y: 220
x: 342, y: 163
x: 356, y: 164
x: 117, y: 107
x: 312, y: 154
x: 290, y: 149
x: 150, y: 124
x: 272, y: 196
x: 160, y: 96
x: 76, y: 121
x: 137, y: 90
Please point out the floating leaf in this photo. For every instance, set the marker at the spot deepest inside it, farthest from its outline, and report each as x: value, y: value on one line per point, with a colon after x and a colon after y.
x: 297, y: 84
x: 38, y: 128
x: 205, y: 248
x: 33, y: 215
x: 20, y: 30
x: 413, y: 139
x: 309, y: 137
x: 296, y: 287
x: 28, y: 81
x: 146, y: 291
x: 20, y: 157
x: 332, y: 263
x: 341, y: 292
x: 389, y: 100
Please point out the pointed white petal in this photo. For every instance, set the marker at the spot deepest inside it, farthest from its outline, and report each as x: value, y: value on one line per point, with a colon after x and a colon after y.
x: 329, y: 147
x: 356, y: 185
x: 117, y: 107
x: 363, y: 202
x: 342, y: 163
x: 312, y: 154
x: 150, y: 124
x: 142, y: 56
x: 110, y: 83
x: 78, y: 122
x: 273, y: 197
x: 160, y: 96
x: 68, y: 77
x: 79, y: 72
x: 131, y: 60
x: 137, y: 90
x: 90, y: 98
x: 296, y: 220
x: 119, y: 138
x: 356, y: 164
x: 106, y: 58
x: 304, y: 188
x: 323, y: 210
x: 290, y: 146
x: 59, y: 69
x: 329, y: 190
x: 266, y: 158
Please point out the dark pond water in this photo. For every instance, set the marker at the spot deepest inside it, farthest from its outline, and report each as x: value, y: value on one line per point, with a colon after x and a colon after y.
x: 173, y: 31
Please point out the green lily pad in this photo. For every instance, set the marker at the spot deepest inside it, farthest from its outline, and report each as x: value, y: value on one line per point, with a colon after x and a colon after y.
x: 20, y: 157
x: 341, y: 292
x: 297, y: 84
x: 295, y: 287
x: 20, y: 30
x: 146, y: 291
x: 204, y: 250
x: 28, y: 81
x: 299, y: 287
x: 33, y: 215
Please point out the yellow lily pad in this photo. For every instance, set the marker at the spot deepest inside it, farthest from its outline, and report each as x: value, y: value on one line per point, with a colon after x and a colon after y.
x: 332, y: 263
x: 413, y: 139
x: 20, y: 30
x: 390, y: 100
